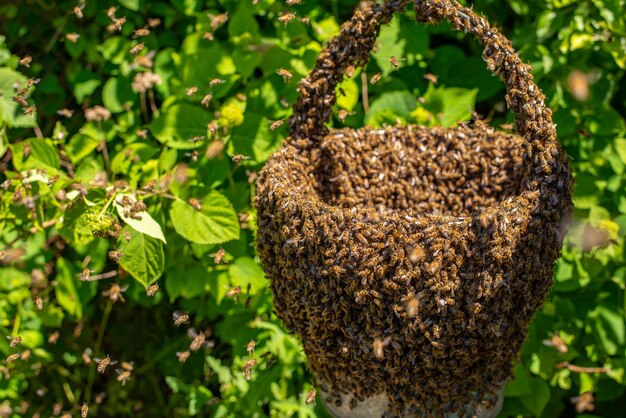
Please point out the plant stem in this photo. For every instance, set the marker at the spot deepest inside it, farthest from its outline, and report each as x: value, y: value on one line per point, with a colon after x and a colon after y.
x: 97, y: 346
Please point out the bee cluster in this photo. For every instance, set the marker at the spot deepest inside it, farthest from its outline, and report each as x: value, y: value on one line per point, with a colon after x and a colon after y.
x: 411, y: 260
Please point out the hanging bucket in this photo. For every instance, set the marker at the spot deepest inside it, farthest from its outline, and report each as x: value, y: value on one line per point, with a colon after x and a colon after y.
x: 410, y: 260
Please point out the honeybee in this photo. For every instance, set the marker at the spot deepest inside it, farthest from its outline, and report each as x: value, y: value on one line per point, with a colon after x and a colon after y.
x: 52, y: 180
x: 127, y: 236
x: 233, y: 293
x: 30, y: 110
x: 208, y: 36
x: 14, y: 341
x: 142, y: 133
x: 39, y: 303
x: 238, y: 158
x: 218, y: 256
x: 276, y: 124
x: 103, y: 363
x: 310, y: 397
x: 78, y: 10
x: 117, y: 24
x: 416, y: 254
x: 375, y: 78
x: 195, y: 203
x: 86, y: 356
x: 84, y: 410
x: 578, y: 84
x: 85, y: 275
x: 26, y: 60
x: 248, y: 374
x: 292, y: 2
x: 111, y: 12
x: 250, y: 347
x: 66, y: 113
x: 180, y: 318
x: 218, y: 20
x: 378, y: 346
x: 182, y: 356
x: 123, y: 375
x: 115, y: 292
x: 141, y: 32
x: 286, y: 75
x: 557, y: 342
x: 216, y: 81
x: 394, y: 62
x: 286, y: 17
x: 20, y: 101
x: 137, y: 49
x: 412, y: 308
x: 343, y: 114
x: 13, y: 357
x: 191, y: 91
x: 584, y: 402
x: 115, y: 255
x: 431, y: 77
x: 72, y: 37
x: 31, y: 81
x: 206, y: 100
x: 154, y: 22
x: 199, y: 339
x: 250, y: 363
x: 152, y: 290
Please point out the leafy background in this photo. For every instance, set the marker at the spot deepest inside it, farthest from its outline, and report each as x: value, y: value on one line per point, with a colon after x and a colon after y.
x: 157, y: 146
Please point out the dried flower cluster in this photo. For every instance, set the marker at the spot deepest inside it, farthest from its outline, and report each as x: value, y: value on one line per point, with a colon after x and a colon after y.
x: 411, y: 260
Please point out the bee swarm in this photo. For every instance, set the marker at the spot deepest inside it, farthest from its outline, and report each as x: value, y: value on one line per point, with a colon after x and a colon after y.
x: 411, y: 260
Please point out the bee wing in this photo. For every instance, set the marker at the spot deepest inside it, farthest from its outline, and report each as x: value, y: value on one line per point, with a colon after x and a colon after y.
x: 177, y: 314
x: 119, y: 371
x: 191, y: 333
x: 112, y: 362
x: 97, y: 360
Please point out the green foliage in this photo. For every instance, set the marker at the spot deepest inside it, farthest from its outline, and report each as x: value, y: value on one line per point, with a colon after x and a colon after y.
x: 124, y: 175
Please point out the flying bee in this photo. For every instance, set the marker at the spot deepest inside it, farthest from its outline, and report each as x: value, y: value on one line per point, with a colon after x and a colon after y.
x: 182, y: 356
x: 32, y: 81
x: 14, y: 341
x: 310, y: 397
x: 198, y: 339
x: 584, y: 402
x: 30, y: 110
x: 66, y: 113
x: 72, y: 37
x: 394, y: 62
x: 52, y: 180
x: 208, y: 36
x: 117, y: 24
x: 248, y: 374
x: 238, y: 158
x: 375, y: 78
x: 26, y: 60
x: 152, y: 290
x: 218, y: 20
x: 137, y: 49
x: 343, y: 114
x: 233, y: 293
x: 141, y: 32
x: 39, y: 303
x: 86, y: 356
x: 292, y: 2
x: 250, y: 363
x: 431, y: 77
x: 557, y: 342
x: 103, y: 363
x: 250, y: 347
x: 13, y: 357
x: 195, y: 203
x: 286, y: 17
x: 84, y: 410
x: 216, y: 81
x: 123, y: 375
x: 218, y: 256
x: 180, y: 318
x: 276, y: 124
x: 127, y: 236
x: 115, y: 292
x: 154, y: 22
x: 206, y: 100
x: 115, y: 255
x: 111, y: 12
x: 412, y: 308
x: 286, y: 75
x: 20, y: 101
x: 191, y: 91
x: 378, y: 346
x: 85, y: 275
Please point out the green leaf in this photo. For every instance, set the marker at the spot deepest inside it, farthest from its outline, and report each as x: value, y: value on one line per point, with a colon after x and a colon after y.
x: 620, y: 148
x: 350, y: 98
x: 216, y: 223
x: 186, y: 281
x: 85, y: 84
x: 399, y: 103
x: 610, y: 329
x: 254, y: 138
x: 245, y: 271
x: 10, y: 111
x: 117, y: 94
x: 180, y: 122
x: 145, y: 224
x: 450, y: 105
x: 390, y: 43
x: 134, y: 5
x: 143, y: 257
x: 41, y: 154
x: 537, y: 400
x: 66, y: 290
x: 520, y: 384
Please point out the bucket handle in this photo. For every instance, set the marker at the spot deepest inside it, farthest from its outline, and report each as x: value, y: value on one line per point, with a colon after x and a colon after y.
x: 356, y: 40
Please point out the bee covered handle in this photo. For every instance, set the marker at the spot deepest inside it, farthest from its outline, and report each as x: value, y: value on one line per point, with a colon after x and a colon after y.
x: 357, y: 37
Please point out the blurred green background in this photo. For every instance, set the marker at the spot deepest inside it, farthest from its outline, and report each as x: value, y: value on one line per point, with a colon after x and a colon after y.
x: 139, y: 127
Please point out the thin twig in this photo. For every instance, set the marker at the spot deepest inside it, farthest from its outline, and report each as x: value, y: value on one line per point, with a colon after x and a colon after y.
x: 364, y: 93
x: 580, y: 369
